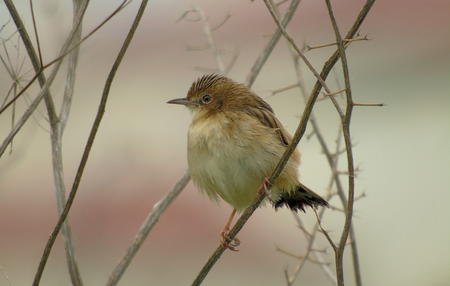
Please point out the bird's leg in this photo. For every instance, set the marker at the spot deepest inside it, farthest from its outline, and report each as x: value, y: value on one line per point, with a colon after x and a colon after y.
x: 231, y: 244
x: 265, y: 189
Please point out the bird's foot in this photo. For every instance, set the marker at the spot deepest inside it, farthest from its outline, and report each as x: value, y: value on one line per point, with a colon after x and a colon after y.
x: 229, y: 243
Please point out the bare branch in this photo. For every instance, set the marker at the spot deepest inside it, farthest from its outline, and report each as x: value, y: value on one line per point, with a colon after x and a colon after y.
x: 146, y: 227
x: 339, y: 252
x: 90, y: 142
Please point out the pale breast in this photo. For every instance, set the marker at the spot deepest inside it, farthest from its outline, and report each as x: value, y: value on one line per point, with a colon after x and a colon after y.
x: 229, y: 158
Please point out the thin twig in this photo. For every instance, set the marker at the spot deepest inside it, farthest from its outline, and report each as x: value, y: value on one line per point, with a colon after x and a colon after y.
x: 92, y: 135
x: 153, y: 217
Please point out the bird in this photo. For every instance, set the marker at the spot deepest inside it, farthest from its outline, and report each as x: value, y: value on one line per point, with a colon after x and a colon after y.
x: 234, y: 143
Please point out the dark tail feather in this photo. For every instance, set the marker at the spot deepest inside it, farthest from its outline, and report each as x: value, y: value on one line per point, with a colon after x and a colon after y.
x: 302, y: 197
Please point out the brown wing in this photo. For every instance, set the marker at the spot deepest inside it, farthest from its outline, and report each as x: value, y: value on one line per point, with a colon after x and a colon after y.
x: 264, y: 113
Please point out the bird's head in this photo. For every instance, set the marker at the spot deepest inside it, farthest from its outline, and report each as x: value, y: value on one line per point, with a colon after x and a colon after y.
x: 214, y: 93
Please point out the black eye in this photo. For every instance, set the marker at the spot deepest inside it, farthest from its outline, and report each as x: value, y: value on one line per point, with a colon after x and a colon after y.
x: 206, y: 99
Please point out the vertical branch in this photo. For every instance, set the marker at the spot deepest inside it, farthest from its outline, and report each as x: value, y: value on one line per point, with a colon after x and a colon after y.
x: 348, y: 146
x: 90, y: 142
x: 71, y: 70
x: 56, y: 134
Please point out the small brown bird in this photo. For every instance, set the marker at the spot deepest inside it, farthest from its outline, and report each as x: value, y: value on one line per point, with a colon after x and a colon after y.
x: 234, y: 143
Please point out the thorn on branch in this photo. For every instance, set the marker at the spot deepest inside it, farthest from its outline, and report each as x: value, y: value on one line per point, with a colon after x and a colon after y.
x: 362, y: 195
x: 185, y: 16
x: 346, y: 42
x: 369, y: 104
x: 334, y: 208
x: 227, y: 17
x: 334, y: 93
x: 279, y: 90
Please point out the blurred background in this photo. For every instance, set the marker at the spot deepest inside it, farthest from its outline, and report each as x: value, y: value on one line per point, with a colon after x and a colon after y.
x: 402, y: 149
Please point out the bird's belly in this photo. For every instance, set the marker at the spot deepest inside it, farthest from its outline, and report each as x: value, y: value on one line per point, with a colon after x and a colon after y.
x: 228, y: 167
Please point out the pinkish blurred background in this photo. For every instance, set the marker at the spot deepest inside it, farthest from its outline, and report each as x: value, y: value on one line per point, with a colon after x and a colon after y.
x: 402, y: 149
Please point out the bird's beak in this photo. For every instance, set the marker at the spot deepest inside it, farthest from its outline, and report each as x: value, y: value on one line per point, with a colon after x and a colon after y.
x: 182, y: 101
